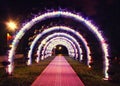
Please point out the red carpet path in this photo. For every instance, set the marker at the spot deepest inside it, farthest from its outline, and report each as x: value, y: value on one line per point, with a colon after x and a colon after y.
x: 58, y: 73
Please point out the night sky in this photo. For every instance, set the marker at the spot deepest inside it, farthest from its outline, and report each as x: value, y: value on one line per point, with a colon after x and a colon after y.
x: 105, y: 14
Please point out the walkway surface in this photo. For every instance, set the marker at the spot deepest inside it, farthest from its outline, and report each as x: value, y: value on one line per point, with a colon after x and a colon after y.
x: 58, y: 73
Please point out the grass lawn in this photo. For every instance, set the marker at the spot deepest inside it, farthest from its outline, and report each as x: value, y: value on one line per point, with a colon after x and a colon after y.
x: 23, y: 75
x: 89, y: 77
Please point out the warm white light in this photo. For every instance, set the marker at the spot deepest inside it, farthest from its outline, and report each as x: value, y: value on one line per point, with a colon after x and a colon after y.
x: 11, y: 25
x: 60, y: 48
x: 48, y: 47
x: 54, y: 42
x: 43, y: 42
x: 58, y: 42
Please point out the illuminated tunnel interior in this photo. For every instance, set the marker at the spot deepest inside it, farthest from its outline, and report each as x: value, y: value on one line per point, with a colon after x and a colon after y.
x: 60, y: 49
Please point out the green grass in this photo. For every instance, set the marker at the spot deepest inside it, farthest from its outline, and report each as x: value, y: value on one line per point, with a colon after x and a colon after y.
x: 90, y: 77
x: 23, y: 75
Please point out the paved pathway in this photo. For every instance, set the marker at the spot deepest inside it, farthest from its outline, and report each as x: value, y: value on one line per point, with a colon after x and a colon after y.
x: 58, y: 73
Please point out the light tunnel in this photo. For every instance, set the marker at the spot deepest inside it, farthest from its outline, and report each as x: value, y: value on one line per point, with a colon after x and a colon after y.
x: 38, y: 37
x: 53, y: 42
x: 55, y: 14
x: 47, y: 46
x: 72, y: 50
x: 52, y: 45
x: 65, y: 28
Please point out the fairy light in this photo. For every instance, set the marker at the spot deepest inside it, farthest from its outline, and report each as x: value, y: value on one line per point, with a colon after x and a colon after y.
x: 62, y: 42
x: 40, y: 35
x: 80, y: 36
x: 66, y: 39
x: 50, y: 36
x: 55, y: 43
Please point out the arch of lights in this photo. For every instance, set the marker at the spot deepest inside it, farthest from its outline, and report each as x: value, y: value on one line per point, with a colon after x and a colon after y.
x: 58, y: 42
x: 55, y: 35
x: 73, y: 52
x: 73, y: 49
x: 29, y: 62
x: 65, y: 28
x: 65, y: 43
x: 54, y: 14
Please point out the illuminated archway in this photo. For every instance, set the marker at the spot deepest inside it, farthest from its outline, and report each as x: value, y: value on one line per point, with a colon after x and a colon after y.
x: 53, y: 14
x: 57, y: 42
x: 46, y: 31
x: 55, y: 35
x: 65, y: 29
x: 73, y: 44
x: 60, y: 40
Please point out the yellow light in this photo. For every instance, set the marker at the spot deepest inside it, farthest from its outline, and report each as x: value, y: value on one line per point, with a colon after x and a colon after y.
x: 11, y: 25
x: 10, y: 46
x: 43, y: 42
x: 9, y: 37
x: 60, y: 48
x: 8, y: 34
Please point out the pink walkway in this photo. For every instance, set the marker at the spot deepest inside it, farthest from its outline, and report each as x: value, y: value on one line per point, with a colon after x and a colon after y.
x: 58, y: 73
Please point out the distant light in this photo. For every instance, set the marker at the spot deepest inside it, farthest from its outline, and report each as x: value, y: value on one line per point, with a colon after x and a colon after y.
x: 60, y: 48
x: 12, y: 26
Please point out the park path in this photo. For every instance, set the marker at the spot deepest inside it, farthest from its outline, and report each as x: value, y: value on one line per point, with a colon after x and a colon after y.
x: 58, y: 73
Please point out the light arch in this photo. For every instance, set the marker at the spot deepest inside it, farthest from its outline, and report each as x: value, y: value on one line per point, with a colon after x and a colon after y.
x: 52, y: 39
x: 58, y: 42
x: 73, y: 45
x: 44, y: 32
x: 54, y: 14
x: 65, y: 28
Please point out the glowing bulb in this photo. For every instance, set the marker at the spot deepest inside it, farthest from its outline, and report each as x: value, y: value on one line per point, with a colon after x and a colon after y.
x: 11, y: 25
x: 60, y: 48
